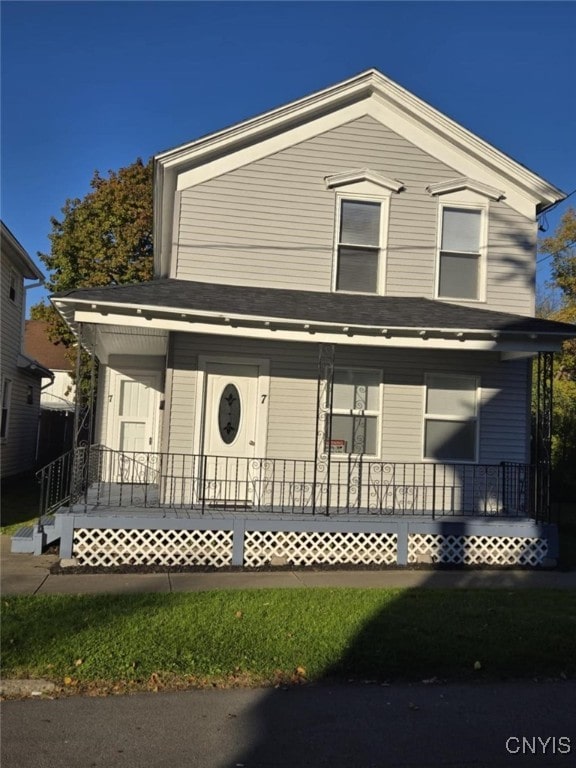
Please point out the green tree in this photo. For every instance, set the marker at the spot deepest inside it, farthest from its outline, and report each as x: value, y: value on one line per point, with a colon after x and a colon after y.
x: 105, y: 238
x: 561, y: 247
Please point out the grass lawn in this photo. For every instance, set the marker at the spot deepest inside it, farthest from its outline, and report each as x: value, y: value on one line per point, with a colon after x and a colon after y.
x: 20, y: 499
x: 268, y: 636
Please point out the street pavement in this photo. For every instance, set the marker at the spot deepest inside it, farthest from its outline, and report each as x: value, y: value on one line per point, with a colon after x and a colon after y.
x: 29, y: 575
x: 341, y: 726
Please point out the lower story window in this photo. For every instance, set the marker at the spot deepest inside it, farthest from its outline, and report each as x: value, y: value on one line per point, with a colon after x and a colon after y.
x: 6, y: 396
x: 451, y: 418
x: 356, y: 412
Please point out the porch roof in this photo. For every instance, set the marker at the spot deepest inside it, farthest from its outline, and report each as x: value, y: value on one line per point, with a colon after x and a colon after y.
x: 304, y: 311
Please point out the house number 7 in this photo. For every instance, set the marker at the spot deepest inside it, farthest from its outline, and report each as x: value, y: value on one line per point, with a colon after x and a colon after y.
x: 264, y: 399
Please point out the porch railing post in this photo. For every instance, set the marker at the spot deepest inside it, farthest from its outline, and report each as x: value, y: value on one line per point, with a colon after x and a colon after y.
x: 543, y: 437
x: 324, y: 404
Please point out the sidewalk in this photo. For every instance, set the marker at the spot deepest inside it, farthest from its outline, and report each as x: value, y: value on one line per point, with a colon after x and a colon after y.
x: 28, y: 575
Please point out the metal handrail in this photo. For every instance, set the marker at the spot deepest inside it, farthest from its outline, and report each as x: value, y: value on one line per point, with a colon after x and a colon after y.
x: 121, y: 479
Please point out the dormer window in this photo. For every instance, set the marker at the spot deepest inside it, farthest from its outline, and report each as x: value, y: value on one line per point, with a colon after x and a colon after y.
x: 358, y: 246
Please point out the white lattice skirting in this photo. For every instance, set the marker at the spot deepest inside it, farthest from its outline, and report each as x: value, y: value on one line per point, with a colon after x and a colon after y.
x: 96, y: 546
x: 476, y: 550
x: 239, y: 545
x: 319, y: 547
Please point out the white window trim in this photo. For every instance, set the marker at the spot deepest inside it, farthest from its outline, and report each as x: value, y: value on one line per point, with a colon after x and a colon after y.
x: 482, y: 251
x: 451, y: 417
x: 384, y: 202
x: 359, y: 412
x: 6, y: 394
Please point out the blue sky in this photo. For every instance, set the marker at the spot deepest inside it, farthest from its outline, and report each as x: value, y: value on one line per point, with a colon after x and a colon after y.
x: 93, y: 85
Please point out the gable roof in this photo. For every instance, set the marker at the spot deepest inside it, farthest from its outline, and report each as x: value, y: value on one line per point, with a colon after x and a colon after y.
x: 359, y: 319
x: 38, y: 346
x: 18, y: 255
x: 368, y: 93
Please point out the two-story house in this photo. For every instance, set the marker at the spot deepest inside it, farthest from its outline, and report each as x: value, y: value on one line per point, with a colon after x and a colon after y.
x: 21, y: 375
x: 333, y: 362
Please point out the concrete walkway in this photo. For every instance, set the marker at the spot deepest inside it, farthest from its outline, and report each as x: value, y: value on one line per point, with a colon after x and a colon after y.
x: 29, y: 575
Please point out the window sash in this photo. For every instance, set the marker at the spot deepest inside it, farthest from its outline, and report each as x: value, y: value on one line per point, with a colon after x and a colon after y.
x: 460, y: 253
x: 358, y: 246
x: 356, y: 412
x: 451, y: 418
x: 6, y: 397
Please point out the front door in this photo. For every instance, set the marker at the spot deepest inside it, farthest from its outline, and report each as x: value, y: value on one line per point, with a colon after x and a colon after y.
x: 137, y: 401
x: 231, y: 434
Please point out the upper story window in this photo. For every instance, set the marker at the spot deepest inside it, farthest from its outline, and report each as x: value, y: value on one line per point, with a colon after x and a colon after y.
x: 362, y: 205
x: 462, y: 237
x: 12, y: 286
x: 359, y: 241
x: 461, y: 248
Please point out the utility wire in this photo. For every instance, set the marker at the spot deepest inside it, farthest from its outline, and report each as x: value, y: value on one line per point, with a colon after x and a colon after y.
x: 555, y: 253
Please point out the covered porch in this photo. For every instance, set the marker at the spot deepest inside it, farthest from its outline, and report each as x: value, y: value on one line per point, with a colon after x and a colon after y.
x: 127, y: 509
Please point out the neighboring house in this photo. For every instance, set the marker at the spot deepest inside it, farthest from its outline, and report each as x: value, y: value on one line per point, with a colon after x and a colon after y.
x: 333, y: 362
x: 57, y: 398
x: 21, y: 374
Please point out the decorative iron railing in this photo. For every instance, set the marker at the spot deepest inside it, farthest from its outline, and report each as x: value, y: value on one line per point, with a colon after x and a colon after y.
x: 55, y: 480
x: 103, y: 477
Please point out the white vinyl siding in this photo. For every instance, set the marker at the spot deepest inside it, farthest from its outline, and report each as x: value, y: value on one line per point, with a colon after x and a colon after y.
x: 272, y: 222
x: 503, y: 415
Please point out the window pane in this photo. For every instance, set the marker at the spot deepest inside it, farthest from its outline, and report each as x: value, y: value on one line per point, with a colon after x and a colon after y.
x: 451, y: 396
x: 450, y: 440
x: 357, y: 270
x: 461, y: 230
x: 458, y: 276
x: 360, y: 223
x: 356, y: 390
x: 354, y: 434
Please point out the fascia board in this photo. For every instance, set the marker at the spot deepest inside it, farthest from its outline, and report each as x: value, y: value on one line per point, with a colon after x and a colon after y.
x: 316, y: 337
x: 19, y: 256
x: 145, y: 313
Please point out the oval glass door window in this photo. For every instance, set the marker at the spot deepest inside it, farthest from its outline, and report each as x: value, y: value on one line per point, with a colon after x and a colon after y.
x: 229, y: 414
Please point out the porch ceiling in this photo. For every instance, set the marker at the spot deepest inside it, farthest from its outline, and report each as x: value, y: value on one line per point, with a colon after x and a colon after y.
x: 169, y: 304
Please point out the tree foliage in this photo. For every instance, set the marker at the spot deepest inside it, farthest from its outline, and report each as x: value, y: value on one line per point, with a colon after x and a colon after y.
x: 105, y: 238
x: 561, y: 247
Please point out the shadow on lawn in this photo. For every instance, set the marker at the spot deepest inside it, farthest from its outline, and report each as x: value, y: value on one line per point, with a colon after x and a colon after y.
x: 364, y: 713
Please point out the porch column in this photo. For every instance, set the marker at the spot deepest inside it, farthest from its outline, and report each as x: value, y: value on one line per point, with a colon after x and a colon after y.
x: 543, y: 436
x: 83, y: 414
x: 324, y: 404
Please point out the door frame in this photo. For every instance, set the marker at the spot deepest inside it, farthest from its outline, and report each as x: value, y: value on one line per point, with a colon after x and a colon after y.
x: 116, y: 390
x: 262, y: 399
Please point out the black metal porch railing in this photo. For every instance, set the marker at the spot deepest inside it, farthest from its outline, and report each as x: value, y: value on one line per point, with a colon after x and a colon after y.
x: 99, y: 476
x: 55, y: 480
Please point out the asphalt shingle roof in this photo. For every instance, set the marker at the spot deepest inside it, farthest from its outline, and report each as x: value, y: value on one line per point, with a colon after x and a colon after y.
x: 314, y: 306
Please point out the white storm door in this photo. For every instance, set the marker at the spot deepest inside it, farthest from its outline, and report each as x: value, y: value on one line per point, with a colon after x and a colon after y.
x: 136, y: 424
x: 230, y: 431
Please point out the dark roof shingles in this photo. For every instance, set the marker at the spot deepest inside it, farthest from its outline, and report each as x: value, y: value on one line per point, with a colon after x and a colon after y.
x: 315, y: 307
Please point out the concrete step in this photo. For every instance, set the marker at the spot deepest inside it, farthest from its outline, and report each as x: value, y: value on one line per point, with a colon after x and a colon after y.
x: 23, y: 540
x: 29, y: 539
